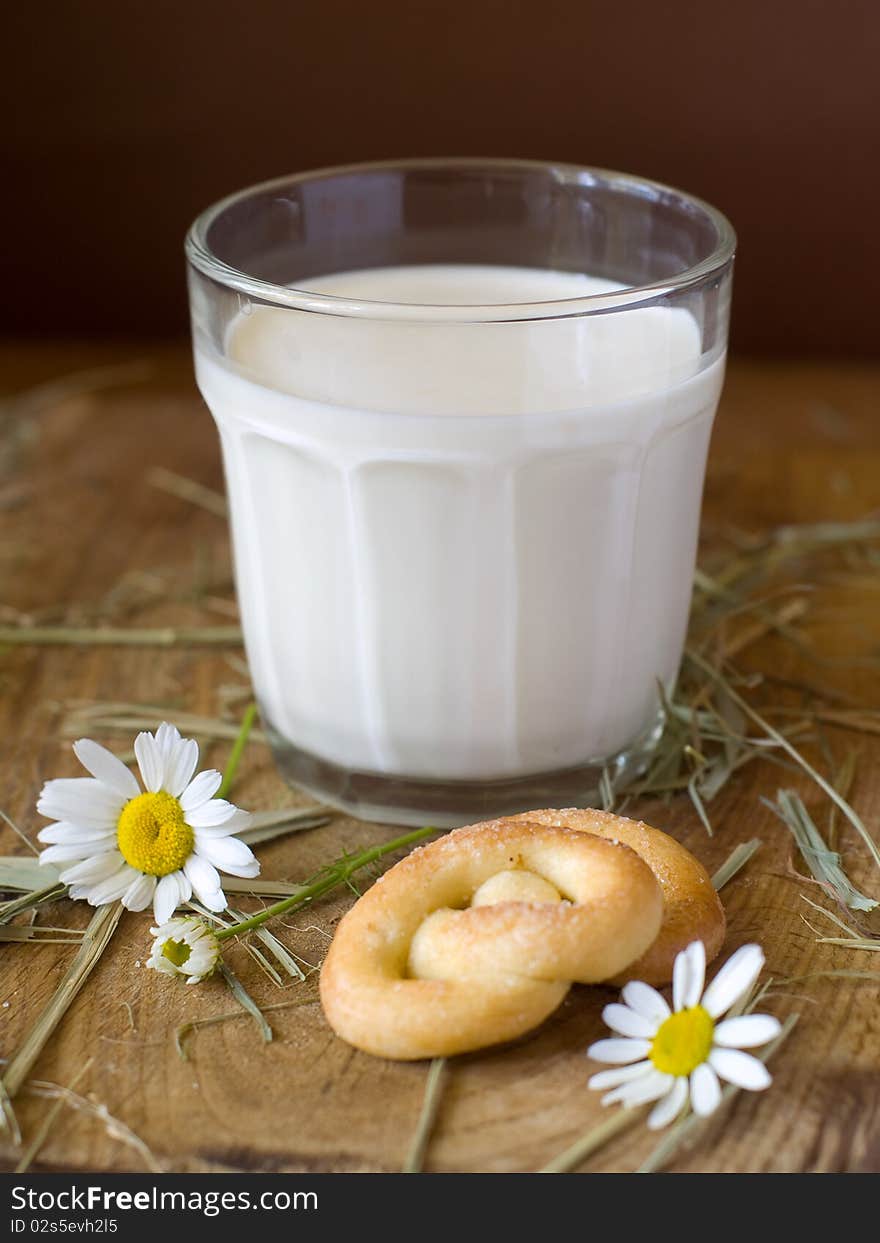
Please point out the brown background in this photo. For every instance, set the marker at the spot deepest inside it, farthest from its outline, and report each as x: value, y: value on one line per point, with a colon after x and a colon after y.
x: 124, y: 120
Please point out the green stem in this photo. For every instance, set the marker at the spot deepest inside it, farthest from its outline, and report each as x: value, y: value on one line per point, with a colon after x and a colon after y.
x: 236, y: 752
x: 327, y: 879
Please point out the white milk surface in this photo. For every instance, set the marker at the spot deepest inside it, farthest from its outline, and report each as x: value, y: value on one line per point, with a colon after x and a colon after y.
x: 463, y: 551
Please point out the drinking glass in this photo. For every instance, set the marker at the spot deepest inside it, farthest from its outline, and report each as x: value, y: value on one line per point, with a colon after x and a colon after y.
x: 464, y: 526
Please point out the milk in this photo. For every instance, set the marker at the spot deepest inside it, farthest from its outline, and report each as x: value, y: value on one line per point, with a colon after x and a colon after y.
x: 463, y: 550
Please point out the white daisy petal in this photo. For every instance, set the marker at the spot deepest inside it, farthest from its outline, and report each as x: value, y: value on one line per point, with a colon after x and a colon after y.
x: 241, y: 820
x: 139, y: 894
x: 83, y: 801
x: 627, y: 1023
x: 65, y: 834
x: 697, y: 952
x: 680, y: 977
x: 741, y: 1069
x: 747, y: 1031
x: 619, y: 1051
x: 76, y: 850
x: 165, y: 898
x: 184, y: 887
x: 215, y: 811
x: 95, y: 868
x: 83, y: 792
x: 106, y: 767
x: 214, y: 901
x: 705, y: 1090
x: 620, y: 1074
x: 205, y: 880
x: 648, y: 1087
x: 246, y: 871
x: 734, y: 979
x: 112, y: 888
x: 646, y: 1001
x: 201, y: 789
x: 669, y: 1106
x: 180, y: 766
x: 150, y: 761
x: 202, y: 875
x: 229, y: 854
x: 233, y: 825
x: 167, y: 740
x: 82, y: 820
x: 688, y: 976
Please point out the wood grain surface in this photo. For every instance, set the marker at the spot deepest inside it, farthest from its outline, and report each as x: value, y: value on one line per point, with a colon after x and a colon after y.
x: 85, y: 538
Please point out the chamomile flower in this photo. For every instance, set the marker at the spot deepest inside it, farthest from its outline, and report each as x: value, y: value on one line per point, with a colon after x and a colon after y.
x: 184, y: 946
x: 669, y: 1055
x: 160, y: 844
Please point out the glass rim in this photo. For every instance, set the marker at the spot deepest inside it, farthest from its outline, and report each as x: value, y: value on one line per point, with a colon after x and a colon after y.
x: 203, y: 259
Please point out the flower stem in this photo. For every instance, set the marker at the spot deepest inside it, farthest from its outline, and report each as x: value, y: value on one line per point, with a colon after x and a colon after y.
x: 328, y: 878
x: 236, y: 752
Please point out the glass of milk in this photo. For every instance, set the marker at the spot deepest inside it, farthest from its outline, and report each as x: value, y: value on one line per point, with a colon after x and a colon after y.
x: 464, y: 408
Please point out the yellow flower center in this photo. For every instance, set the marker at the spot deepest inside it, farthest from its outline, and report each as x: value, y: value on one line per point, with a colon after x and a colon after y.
x: 683, y: 1041
x: 152, y: 834
x: 176, y: 952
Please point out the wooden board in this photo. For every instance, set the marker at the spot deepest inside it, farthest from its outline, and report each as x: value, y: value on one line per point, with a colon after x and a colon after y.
x: 78, y: 518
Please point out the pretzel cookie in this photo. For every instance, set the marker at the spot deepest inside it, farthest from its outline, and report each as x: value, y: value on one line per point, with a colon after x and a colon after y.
x: 477, y: 937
